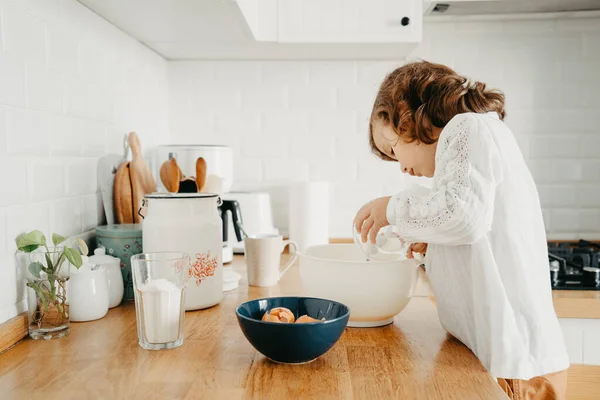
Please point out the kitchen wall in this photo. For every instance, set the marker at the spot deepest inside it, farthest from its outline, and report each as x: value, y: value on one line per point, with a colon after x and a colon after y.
x: 71, y: 85
x: 291, y: 121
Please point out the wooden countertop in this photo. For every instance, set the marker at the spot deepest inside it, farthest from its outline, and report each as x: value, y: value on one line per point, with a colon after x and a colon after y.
x: 413, y: 359
x: 576, y: 303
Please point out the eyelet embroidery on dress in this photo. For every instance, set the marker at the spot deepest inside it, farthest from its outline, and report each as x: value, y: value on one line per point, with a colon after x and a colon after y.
x: 453, y: 185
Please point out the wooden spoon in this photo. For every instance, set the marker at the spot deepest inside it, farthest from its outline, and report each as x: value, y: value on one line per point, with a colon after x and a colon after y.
x: 200, y: 173
x: 170, y: 175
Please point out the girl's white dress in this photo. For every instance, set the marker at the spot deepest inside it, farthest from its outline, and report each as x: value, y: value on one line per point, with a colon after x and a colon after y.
x: 487, y: 258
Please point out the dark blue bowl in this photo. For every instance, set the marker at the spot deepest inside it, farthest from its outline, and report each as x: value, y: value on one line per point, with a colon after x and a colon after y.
x: 293, y: 343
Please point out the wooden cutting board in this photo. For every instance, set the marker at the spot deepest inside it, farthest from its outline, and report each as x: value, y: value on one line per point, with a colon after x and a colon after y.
x: 133, y: 180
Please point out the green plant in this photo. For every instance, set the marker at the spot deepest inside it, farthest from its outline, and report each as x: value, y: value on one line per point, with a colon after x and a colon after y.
x: 44, y: 275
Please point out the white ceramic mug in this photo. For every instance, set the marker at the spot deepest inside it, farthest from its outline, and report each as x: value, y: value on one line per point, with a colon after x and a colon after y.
x: 263, y: 257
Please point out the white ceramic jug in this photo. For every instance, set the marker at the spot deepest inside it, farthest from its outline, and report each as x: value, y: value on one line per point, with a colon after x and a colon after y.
x: 189, y: 223
x: 113, y: 272
x: 88, y: 293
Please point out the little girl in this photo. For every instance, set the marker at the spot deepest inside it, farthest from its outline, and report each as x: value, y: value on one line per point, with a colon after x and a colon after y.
x: 481, y: 223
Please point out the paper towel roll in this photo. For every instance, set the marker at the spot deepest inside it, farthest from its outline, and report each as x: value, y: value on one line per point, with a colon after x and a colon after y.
x: 309, y: 214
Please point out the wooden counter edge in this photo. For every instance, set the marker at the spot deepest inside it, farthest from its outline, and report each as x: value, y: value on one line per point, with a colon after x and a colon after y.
x: 568, y: 306
x: 583, y: 382
x: 12, y: 331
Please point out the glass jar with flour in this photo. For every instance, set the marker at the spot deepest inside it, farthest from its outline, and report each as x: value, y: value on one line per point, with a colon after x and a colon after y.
x: 189, y: 223
x: 159, y: 285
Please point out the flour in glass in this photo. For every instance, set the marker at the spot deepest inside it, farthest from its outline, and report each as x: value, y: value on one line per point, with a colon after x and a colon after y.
x: 160, y: 310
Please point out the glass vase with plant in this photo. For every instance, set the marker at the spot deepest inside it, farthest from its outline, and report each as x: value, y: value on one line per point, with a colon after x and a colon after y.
x: 47, y: 270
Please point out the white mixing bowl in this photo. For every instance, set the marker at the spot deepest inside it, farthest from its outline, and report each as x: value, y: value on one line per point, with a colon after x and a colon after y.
x: 375, y: 291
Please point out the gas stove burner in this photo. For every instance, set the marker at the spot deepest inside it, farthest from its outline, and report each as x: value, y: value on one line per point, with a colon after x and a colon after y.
x: 574, y: 265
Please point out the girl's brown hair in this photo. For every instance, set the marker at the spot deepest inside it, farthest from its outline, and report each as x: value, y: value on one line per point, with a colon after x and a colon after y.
x: 421, y: 95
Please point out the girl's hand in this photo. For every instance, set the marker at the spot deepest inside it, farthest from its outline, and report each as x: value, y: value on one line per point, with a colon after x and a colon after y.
x: 416, y: 248
x: 371, y: 218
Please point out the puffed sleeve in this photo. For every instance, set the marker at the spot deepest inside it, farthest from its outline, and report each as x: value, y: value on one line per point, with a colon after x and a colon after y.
x: 460, y: 207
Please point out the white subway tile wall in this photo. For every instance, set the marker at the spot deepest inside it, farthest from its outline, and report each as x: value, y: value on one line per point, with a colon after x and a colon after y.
x: 309, y: 119
x: 71, y: 85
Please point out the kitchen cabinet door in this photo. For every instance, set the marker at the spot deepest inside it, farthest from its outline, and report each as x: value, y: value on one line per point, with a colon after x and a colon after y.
x: 349, y: 21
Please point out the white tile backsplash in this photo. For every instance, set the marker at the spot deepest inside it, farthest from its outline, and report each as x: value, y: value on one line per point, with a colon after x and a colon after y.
x: 285, y: 73
x: 63, y: 52
x: 319, y: 97
x: 332, y: 72
x: 24, y: 35
x: 66, y: 216
x: 555, y: 147
x: 284, y: 123
x: 272, y: 147
x: 334, y: 170
x: 80, y: 177
x: 46, y: 179
x: 2, y: 130
x: 249, y: 170
x: 2, y: 231
x: 258, y: 97
x: 332, y: 122
x: 283, y: 170
x: 27, y: 132
x: 13, y: 173
x: 92, y: 213
x: 12, y: 81
x: 66, y: 137
x: 356, y: 97
x: 63, y: 88
x: 313, y: 147
x: 44, y: 89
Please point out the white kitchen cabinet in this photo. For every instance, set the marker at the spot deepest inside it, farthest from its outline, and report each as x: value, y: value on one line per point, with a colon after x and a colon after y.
x: 349, y: 21
x: 269, y: 29
x: 334, y: 21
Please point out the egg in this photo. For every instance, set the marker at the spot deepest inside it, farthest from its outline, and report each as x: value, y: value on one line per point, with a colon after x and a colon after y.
x: 305, y: 319
x: 279, y: 314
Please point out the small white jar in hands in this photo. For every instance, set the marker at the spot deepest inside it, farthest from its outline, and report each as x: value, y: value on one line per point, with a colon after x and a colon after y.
x: 114, y: 276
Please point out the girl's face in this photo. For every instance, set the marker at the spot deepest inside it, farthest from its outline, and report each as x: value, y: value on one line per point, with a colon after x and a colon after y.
x: 416, y: 159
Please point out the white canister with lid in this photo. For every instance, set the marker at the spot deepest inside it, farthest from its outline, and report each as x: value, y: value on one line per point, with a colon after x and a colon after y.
x: 113, y: 273
x: 88, y: 287
x: 189, y: 223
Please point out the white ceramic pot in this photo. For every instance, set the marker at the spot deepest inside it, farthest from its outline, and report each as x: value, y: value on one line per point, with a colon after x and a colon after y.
x: 88, y: 299
x: 189, y: 223
x: 113, y: 273
x: 375, y: 291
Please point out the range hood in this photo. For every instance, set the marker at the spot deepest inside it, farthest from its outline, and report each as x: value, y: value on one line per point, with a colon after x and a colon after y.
x: 523, y: 8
